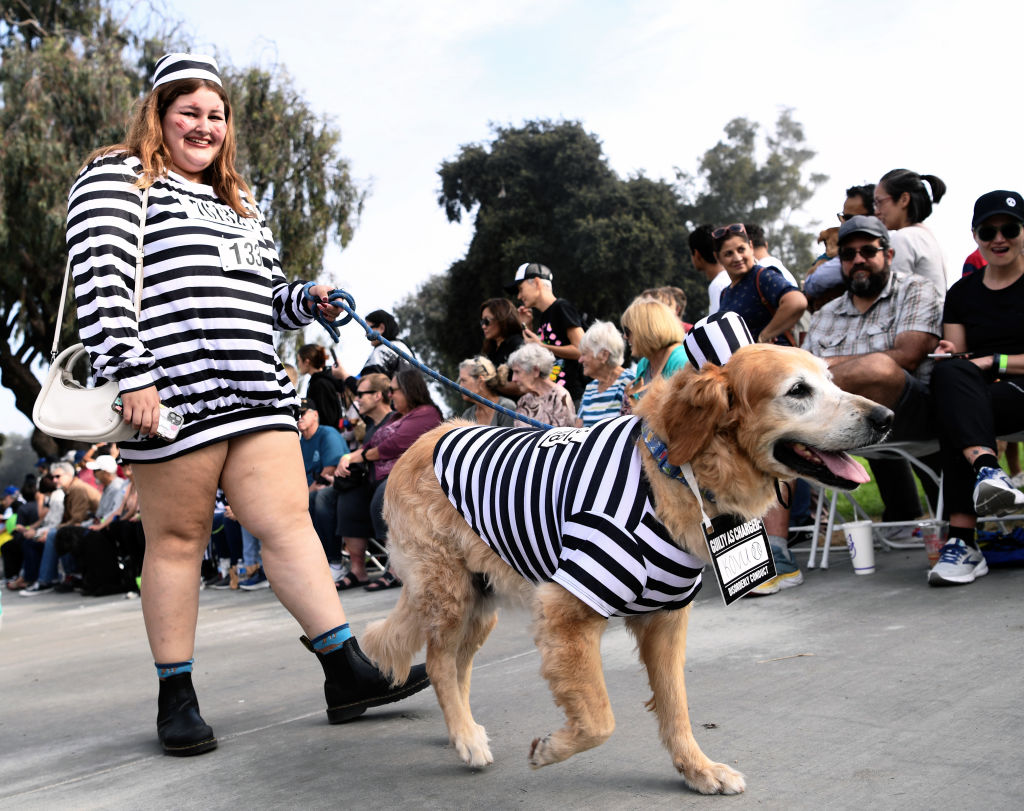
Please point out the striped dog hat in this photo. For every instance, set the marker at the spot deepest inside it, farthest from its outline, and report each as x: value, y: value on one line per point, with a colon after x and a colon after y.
x: 173, y: 67
x: 715, y: 338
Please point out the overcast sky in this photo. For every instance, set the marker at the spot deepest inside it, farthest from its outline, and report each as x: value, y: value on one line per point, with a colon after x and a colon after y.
x: 928, y: 86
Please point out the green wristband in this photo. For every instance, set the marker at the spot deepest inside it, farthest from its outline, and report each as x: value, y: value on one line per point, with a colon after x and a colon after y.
x: 1003, y: 363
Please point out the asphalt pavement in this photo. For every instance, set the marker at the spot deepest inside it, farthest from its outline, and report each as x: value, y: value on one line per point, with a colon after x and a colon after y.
x: 848, y: 691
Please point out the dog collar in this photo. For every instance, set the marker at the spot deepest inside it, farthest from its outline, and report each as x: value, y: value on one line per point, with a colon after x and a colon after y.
x: 659, y: 450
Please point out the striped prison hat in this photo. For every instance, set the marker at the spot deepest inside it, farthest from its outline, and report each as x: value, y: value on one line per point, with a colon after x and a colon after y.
x: 715, y: 338
x: 173, y: 67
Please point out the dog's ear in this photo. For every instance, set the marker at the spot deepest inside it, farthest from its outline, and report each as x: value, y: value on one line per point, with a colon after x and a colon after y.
x: 697, y: 406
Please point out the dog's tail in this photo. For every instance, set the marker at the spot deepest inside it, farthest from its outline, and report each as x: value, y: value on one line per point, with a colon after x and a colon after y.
x: 394, y: 640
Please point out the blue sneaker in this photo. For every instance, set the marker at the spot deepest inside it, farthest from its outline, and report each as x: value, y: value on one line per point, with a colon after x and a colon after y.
x: 256, y: 582
x: 959, y: 564
x: 994, y: 493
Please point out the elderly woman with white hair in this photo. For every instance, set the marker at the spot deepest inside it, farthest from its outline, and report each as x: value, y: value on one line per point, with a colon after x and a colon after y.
x: 479, y: 376
x: 602, y: 351
x: 544, y: 401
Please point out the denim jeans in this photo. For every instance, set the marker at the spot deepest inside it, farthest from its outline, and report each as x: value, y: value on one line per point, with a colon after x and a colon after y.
x: 323, y: 509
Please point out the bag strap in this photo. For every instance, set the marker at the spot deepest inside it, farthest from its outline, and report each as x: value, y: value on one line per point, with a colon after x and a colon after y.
x: 139, y: 259
x: 788, y: 334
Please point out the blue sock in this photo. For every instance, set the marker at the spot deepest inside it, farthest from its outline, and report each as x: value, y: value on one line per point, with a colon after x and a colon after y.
x: 173, y: 669
x: 332, y: 640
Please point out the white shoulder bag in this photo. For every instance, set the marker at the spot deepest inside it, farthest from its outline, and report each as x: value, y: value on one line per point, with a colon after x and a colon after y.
x: 66, y: 409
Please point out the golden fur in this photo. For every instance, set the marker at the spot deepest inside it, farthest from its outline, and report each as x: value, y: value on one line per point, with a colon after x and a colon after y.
x: 725, y: 422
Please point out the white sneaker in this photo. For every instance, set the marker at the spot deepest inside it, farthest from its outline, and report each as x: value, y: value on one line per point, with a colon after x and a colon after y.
x: 959, y: 564
x: 338, y: 572
x: 994, y: 493
x: 1018, y: 480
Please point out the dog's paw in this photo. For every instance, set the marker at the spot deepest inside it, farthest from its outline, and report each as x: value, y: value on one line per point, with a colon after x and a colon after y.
x: 473, y: 748
x: 542, y: 753
x: 714, y: 778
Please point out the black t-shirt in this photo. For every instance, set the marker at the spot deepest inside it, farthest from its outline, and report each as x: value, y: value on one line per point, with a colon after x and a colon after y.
x: 555, y: 323
x: 992, y: 319
x: 501, y: 352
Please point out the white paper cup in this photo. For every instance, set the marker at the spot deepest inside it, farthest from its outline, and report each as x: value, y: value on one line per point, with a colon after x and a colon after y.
x: 861, y: 541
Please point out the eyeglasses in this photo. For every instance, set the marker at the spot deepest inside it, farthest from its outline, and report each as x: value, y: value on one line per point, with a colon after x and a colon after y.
x: 867, y: 251
x: 364, y: 393
x: 725, y: 230
x: 843, y: 217
x: 879, y: 200
x: 986, y: 233
x: 486, y: 322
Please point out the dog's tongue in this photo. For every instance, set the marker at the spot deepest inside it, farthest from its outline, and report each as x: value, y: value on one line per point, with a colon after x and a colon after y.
x: 844, y: 466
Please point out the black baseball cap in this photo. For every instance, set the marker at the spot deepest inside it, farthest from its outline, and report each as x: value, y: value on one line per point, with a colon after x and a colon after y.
x: 998, y: 202
x: 529, y: 270
x: 307, y: 405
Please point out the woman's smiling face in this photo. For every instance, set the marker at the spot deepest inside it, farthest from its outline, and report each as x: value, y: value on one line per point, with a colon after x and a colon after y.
x: 194, y: 128
x: 736, y: 256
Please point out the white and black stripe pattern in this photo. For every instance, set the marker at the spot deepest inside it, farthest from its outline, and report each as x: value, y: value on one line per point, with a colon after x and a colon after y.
x: 172, y: 67
x: 570, y: 506
x: 206, y: 334
x: 715, y: 338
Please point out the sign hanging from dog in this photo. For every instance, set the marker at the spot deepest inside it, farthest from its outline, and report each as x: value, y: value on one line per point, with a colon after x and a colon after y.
x: 740, y: 555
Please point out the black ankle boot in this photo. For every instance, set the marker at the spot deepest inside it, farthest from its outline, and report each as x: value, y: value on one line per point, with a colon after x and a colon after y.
x: 181, y: 729
x: 354, y: 683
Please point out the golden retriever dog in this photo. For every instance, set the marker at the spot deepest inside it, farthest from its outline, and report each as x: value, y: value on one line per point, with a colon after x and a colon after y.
x: 770, y: 413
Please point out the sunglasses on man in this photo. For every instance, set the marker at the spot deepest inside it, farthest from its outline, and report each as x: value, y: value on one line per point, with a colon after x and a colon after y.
x: 867, y: 251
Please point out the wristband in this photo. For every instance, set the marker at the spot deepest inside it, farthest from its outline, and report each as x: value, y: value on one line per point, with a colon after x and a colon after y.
x: 1002, y: 361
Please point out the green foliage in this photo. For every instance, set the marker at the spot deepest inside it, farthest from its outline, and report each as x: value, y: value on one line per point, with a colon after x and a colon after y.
x: 69, y: 75
x: 544, y: 192
x: 732, y: 184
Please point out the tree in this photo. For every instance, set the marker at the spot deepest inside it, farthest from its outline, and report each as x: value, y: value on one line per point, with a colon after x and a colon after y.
x: 69, y: 73
x: 732, y: 185
x: 544, y: 192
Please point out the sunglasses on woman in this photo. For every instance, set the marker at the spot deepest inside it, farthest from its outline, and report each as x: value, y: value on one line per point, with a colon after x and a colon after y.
x: 486, y: 322
x: 867, y: 251
x: 735, y: 228
x: 986, y: 233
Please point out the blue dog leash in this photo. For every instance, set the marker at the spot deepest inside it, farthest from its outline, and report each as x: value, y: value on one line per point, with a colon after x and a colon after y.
x: 344, y: 301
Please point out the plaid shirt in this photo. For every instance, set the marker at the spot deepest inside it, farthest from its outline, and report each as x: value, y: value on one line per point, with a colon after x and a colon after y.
x: 907, y: 303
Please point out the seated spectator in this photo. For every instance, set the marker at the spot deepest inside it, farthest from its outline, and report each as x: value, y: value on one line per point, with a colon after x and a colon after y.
x: 903, y: 202
x: 479, y: 376
x: 322, y: 448
x: 33, y: 536
x: 17, y: 518
x: 761, y: 296
x: 503, y: 335
x: 544, y: 401
x: 981, y: 396
x: 602, y: 351
x: 80, y: 504
x: 321, y: 390
x: 876, y: 340
x: 359, y: 509
x: 674, y: 297
x: 655, y: 338
x: 112, y: 552
x: 824, y: 281
x: 382, y: 360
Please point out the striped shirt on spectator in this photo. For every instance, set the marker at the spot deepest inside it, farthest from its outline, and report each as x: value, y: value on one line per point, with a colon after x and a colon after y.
x: 602, y: 405
x: 572, y: 506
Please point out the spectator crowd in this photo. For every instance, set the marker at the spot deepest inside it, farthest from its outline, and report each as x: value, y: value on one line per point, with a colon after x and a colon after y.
x: 877, y: 306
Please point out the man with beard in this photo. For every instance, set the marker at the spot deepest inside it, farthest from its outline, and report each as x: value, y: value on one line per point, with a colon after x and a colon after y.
x: 876, y: 339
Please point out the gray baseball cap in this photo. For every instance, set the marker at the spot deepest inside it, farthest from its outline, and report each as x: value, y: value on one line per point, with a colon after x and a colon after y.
x: 863, y: 224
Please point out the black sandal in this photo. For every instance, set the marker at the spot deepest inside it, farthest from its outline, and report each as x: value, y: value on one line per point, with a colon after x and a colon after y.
x: 385, y: 581
x: 350, y: 581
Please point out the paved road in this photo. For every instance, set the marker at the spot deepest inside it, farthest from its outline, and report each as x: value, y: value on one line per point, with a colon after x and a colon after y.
x: 847, y: 692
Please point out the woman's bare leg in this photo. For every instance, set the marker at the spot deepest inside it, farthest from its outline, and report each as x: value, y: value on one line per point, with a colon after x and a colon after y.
x: 176, y: 498
x: 265, y: 484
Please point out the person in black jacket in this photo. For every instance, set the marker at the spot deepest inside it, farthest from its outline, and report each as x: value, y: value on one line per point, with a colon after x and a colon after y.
x: 321, y: 391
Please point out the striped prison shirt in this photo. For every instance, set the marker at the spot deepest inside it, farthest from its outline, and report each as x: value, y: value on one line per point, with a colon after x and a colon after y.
x: 213, y: 294
x: 572, y: 506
